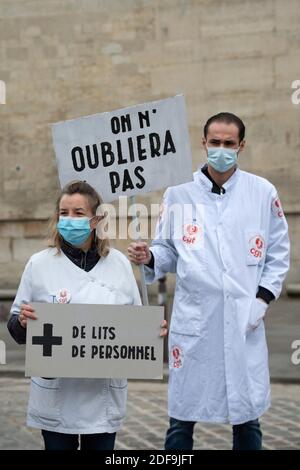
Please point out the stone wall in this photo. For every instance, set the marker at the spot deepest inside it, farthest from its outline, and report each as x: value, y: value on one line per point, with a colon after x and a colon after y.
x: 65, y: 59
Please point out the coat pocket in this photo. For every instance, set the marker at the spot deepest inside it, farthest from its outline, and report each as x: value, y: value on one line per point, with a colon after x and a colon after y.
x: 117, y: 397
x: 255, y: 247
x: 44, y: 399
x: 257, y: 312
x: 188, y: 327
x: 188, y: 316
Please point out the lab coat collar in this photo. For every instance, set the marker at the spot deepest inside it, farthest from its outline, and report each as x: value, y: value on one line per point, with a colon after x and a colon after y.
x: 84, y: 260
x: 201, y: 178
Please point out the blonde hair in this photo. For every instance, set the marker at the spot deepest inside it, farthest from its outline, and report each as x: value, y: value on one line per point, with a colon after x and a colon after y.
x: 83, y: 188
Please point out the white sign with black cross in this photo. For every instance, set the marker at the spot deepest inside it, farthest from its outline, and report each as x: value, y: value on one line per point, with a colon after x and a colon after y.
x: 80, y: 340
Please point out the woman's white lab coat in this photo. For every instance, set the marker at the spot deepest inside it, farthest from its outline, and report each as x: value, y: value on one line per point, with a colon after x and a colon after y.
x: 77, y: 406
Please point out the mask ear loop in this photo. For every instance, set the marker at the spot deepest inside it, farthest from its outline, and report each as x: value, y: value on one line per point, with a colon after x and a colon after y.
x: 95, y: 234
x: 95, y: 229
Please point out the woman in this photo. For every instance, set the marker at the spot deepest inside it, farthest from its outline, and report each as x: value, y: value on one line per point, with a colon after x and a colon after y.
x: 78, y: 268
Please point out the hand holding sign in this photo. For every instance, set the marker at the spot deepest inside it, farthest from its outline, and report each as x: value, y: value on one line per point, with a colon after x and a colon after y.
x: 27, y: 311
x: 164, y: 328
x: 139, y: 253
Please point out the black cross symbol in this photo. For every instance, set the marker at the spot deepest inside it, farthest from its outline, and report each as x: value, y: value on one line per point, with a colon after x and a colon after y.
x: 47, y: 340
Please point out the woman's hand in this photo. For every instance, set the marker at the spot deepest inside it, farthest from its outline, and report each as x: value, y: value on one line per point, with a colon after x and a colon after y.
x: 27, y: 311
x: 164, y: 328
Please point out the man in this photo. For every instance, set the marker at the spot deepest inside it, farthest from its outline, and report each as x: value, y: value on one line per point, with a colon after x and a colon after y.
x: 230, y: 252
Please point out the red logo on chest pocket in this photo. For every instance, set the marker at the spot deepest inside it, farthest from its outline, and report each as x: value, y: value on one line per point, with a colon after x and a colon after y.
x: 257, y: 246
x: 191, y: 234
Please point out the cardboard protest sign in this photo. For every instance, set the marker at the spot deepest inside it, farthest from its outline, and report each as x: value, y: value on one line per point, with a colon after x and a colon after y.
x: 80, y: 340
x: 126, y: 152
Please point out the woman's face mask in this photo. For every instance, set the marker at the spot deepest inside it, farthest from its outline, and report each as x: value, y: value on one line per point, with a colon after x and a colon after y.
x: 74, y: 230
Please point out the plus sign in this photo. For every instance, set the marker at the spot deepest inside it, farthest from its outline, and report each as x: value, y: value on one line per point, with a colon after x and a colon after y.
x: 47, y: 340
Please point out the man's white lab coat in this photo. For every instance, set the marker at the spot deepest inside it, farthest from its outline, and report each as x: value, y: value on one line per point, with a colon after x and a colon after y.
x: 222, y: 248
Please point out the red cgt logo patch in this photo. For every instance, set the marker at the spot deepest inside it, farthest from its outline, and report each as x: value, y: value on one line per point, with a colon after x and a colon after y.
x: 257, y: 246
x: 191, y: 234
x: 277, y: 208
x: 176, y: 357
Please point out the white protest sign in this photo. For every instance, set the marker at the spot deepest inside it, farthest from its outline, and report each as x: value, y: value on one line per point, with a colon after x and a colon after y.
x: 128, y: 151
x: 80, y: 340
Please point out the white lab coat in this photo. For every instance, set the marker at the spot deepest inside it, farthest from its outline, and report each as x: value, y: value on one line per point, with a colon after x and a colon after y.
x: 77, y: 406
x: 224, y: 247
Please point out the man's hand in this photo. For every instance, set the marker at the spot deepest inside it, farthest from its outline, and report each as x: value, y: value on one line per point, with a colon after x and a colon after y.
x: 139, y: 253
x: 164, y: 328
x: 26, y: 312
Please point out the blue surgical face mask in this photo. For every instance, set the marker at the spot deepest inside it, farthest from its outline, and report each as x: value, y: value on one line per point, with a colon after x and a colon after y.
x: 74, y: 230
x: 222, y: 159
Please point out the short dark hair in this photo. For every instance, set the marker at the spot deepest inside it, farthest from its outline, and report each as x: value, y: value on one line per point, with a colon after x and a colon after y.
x: 229, y: 118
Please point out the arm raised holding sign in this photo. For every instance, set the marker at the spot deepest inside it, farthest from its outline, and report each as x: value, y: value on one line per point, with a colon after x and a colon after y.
x: 139, y: 253
x: 162, y: 258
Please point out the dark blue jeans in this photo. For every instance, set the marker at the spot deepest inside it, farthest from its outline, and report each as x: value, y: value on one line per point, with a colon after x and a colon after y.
x: 246, y: 436
x: 60, y: 441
